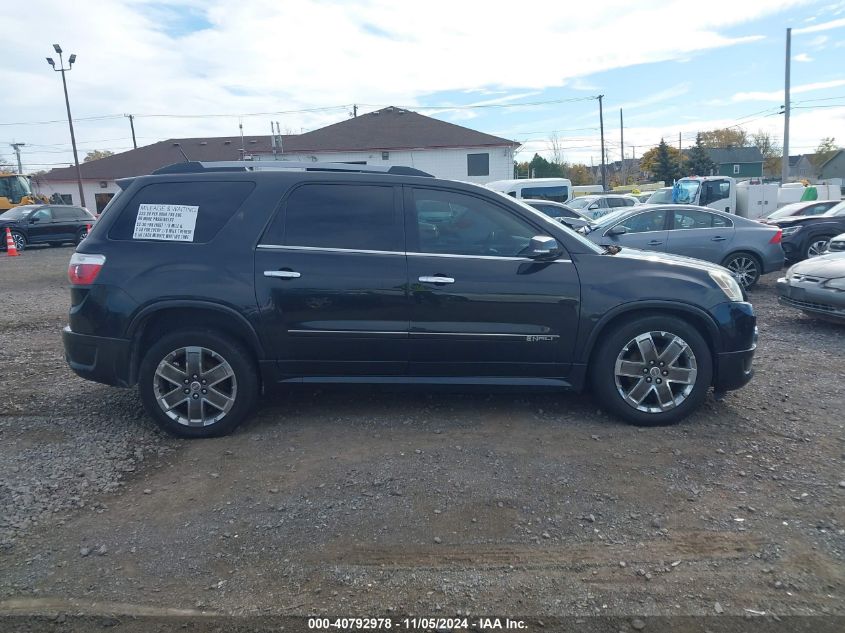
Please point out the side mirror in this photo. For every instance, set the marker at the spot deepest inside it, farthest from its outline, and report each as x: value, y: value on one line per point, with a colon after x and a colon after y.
x: 542, y: 246
x: 617, y: 230
x: 34, y: 220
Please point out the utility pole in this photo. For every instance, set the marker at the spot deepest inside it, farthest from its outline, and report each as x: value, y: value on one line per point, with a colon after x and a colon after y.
x: 131, y: 118
x: 784, y: 168
x: 622, y: 148
x: 679, y: 145
x: 17, y: 148
x: 355, y: 110
x: 601, y: 126
x: 63, y: 70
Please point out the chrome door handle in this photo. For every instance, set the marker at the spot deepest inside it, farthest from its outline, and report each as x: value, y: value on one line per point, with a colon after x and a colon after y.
x: 437, y: 280
x: 718, y: 238
x: 282, y: 274
x: 655, y: 242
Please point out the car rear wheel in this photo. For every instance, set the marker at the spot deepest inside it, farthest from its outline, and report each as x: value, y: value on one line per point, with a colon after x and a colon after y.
x: 745, y: 268
x: 652, y: 371
x: 198, y: 383
x: 817, y: 246
x: 81, y: 235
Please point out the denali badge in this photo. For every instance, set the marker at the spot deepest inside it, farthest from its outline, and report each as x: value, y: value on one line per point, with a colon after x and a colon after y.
x: 533, y: 338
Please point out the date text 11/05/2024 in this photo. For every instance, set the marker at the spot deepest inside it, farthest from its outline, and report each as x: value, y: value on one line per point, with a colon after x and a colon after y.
x: 414, y: 624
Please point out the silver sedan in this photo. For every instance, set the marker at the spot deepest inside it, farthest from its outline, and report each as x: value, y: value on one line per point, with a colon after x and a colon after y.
x: 816, y: 286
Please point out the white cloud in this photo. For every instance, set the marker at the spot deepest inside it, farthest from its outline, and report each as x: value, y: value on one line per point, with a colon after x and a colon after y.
x: 818, y: 42
x: 802, y: 57
x: 777, y: 95
x: 265, y: 55
x: 824, y: 26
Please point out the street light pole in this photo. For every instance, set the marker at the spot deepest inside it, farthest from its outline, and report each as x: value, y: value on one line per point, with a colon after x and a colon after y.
x: 62, y: 69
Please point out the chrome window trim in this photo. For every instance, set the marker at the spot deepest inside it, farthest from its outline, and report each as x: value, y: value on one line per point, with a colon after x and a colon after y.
x: 325, y: 249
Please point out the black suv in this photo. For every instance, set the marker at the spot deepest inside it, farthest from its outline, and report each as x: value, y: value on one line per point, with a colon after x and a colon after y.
x: 45, y: 224
x: 809, y: 236
x: 206, y: 282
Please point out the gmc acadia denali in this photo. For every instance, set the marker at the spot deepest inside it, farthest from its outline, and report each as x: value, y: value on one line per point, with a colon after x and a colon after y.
x: 205, y: 283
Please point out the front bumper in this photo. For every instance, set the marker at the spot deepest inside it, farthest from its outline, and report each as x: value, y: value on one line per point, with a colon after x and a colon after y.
x: 105, y: 360
x: 733, y: 370
x: 811, y: 297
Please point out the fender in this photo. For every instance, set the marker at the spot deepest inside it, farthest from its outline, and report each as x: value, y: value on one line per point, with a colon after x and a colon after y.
x: 712, y: 328
x: 246, y: 326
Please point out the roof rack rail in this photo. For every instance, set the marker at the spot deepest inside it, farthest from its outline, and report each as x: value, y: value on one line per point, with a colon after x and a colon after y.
x: 285, y: 165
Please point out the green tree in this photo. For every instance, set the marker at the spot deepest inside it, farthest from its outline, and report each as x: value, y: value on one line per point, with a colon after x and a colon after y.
x: 667, y: 167
x: 648, y: 161
x: 97, y: 154
x: 541, y: 168
x: 825, y: 151
x: 771, y: 151
x: 698, y: 161
x: 580, y: 175
x: 725, y: 137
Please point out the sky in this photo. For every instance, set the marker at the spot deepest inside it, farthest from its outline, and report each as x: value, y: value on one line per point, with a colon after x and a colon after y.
x: 188, y: 68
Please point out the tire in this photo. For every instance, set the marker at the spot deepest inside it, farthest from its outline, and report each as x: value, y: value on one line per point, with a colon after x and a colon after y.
x: 695, y: 363
x: 745, y: 268
x: 817, y: 245
x: 20, y: 241
x: 217, y: 411
x: 81, y: 234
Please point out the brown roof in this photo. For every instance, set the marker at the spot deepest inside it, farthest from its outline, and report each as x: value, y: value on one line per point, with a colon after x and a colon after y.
x: 387, y: 129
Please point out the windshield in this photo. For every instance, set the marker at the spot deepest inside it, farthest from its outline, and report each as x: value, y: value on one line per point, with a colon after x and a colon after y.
x: 18, y: 213
x: 14, y: 188
x: 839, y: 209
x: 661, y: 196
x: 687, y: 191
x: 580, y: 203
x: 574, y: 235
x: 786, y: 211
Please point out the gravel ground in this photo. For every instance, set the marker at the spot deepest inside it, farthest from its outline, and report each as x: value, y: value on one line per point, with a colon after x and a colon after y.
x: 373, y: 502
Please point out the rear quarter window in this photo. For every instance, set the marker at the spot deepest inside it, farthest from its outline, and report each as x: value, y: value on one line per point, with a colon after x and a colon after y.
x: 216, y: 203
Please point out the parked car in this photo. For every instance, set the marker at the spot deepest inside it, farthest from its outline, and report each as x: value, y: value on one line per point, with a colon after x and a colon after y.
x: 596, y: 206
x: 747, y: 248
x: 643, y: 197
x: 207, y: 282
x: 45, y: 224
x: 815, y: 207
x: 837, y: 244
x: 816, y: 286
x: 660, y: 196
x: 806, y: 237
x: 560, y: 212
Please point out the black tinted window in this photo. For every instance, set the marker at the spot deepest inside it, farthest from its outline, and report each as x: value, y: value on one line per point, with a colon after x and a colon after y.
x: 359, y: 217
x: 645, y: 222
x: 555, y: 194
x: 692, y: 219
x: 64, y: 213
x: 478, y: 164
x: 458, y: 224
x: 169, y: 206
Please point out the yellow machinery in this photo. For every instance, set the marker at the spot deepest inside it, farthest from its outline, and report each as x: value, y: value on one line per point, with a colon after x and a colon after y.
x: 16, y: 190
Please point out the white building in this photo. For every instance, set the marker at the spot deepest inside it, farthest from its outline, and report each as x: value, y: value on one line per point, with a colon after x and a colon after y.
x: 391, y: 136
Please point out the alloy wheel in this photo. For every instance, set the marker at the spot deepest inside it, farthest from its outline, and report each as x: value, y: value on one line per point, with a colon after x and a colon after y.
x: 19, y: 240
x: 817, y: 247
x: 655, y: 372
x: 195, y: 386
x: 744, y: 269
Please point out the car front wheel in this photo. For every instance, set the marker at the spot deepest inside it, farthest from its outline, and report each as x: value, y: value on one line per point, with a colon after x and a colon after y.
x: 817, y: 246
x: 198, y: 383
x: 19, y: 239
x: 652, y: 371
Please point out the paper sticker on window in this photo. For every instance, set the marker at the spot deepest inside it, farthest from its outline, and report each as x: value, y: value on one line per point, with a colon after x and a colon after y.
x: 169, y: 222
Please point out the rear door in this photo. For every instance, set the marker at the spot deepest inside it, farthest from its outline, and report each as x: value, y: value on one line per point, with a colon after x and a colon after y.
x: 65, y: 221
x: 331, y: 281
x: 700, y: 234
x: 645, y: 230
x: 478, y: 307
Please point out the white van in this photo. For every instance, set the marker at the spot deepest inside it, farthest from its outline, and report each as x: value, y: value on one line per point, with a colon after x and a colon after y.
x: 555, y: 189
x: 588, y: 190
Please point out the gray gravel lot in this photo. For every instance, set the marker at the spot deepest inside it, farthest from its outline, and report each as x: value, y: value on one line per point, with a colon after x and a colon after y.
x: 368, y: 501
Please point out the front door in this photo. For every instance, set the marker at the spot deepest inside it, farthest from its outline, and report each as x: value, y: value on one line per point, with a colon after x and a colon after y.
x: 645, y: 230
x: 331, y: 282
x: 41, y: 227
x: 479, y: 308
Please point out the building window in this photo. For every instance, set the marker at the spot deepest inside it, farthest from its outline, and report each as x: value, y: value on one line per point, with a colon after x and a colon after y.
x: 385, y: 155
x: 736, y: 169
x: 66, y: 198
x: 478, y: 164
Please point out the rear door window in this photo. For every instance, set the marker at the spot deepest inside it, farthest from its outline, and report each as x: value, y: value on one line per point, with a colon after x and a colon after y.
x: 351, y: 217
x: 64, y: 214
x: 180, y: 211
x: 645, y: 222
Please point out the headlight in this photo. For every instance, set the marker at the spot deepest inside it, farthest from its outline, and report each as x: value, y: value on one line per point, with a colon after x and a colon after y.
x: 790, y: 272
x: 836, y: 284
x: 792, y: 230
x: 727, y: 283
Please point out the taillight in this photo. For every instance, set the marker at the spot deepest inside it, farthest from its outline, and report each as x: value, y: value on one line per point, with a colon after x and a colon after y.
x: 83, y: 268
x: 776, y: 238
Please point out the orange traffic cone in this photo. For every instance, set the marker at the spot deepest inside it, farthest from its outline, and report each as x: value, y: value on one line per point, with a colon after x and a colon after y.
x: 11, y: 249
